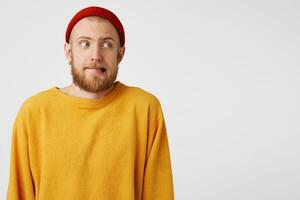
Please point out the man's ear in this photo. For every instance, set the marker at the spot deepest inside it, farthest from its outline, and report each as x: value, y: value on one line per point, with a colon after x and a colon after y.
x: 121, y: 53
x: 68, y: 52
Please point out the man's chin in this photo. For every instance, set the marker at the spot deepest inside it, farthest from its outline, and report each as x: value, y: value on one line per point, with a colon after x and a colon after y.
x: 94, y: 87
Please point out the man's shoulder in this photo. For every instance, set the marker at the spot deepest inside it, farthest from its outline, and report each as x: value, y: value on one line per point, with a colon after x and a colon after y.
x: 138, y: 94
x: 37, y: 100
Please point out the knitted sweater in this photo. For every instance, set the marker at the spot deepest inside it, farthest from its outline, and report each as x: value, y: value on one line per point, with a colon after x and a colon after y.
x: 70, y: 148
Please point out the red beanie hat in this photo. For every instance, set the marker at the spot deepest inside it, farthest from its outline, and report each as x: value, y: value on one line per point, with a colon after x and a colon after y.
x: 100, y: 12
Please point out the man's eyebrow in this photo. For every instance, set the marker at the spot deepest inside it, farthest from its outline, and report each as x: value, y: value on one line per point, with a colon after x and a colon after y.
x: 108, y: 38
x: 88, y: 38
x: 84, y: 37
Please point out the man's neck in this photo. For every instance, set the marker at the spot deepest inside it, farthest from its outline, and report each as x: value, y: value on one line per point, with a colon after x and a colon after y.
x: 75, y: 91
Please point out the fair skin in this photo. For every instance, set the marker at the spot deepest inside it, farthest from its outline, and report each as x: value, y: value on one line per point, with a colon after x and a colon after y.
x: 94, y: 53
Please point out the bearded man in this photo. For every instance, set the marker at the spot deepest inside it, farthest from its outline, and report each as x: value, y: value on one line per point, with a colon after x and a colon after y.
x: 96, y: 138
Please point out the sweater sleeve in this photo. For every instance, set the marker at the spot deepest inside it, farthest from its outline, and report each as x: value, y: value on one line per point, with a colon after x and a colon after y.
x: 158, y: 181
x: 20, y: 180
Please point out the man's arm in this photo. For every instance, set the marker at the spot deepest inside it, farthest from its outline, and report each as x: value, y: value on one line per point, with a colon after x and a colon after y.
x: 158, y: 181
x: 20, y: 180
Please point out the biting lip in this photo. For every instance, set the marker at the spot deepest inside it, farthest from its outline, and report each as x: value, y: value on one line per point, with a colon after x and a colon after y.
x: 100, y: 69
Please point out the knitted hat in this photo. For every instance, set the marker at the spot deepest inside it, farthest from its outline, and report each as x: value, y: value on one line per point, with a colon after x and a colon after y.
x: 100, y: 12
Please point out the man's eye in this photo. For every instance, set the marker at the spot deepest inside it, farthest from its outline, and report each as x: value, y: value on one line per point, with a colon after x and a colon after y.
x: 84, y: 44
x: 107, y: 45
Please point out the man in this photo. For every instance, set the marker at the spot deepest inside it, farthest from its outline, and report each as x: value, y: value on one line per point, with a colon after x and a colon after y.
x: 96, y: 138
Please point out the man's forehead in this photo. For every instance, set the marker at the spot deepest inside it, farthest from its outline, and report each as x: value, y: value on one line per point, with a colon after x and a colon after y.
x: 92, y: 20
x: 90, y: 23
x: 80, y: 29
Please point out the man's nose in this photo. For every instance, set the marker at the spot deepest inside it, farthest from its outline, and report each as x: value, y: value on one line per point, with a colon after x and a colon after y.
x: 96, y: 54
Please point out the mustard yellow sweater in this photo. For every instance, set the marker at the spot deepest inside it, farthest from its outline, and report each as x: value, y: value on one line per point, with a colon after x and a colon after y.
x: 70, y: 148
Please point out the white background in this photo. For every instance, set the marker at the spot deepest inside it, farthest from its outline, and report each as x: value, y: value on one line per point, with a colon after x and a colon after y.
x: 226, y: 72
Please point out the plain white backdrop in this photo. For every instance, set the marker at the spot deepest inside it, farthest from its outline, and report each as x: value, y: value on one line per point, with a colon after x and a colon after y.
x: 226, y: 72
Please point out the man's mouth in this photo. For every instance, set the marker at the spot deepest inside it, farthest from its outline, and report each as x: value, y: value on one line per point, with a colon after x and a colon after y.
x: 99, y: 69
x: 102, y: 69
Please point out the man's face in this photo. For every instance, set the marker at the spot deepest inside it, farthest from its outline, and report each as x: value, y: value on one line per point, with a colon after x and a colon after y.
x: 94, y: 53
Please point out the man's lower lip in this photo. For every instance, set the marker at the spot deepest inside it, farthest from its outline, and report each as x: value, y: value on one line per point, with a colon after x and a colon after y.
x: 97, y: 71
